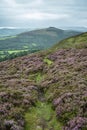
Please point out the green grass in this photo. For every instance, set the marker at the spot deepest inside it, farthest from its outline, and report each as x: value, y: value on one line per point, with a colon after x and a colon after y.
x: 37, y: 77
x: 78, y: 42
x: 41, y: 116
x: 48, y: 61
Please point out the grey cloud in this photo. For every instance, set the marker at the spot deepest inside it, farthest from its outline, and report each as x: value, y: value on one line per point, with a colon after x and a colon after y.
x: 43, y: 13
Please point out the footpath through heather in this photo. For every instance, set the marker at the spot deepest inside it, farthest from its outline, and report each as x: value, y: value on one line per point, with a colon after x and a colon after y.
x: 42, y: 116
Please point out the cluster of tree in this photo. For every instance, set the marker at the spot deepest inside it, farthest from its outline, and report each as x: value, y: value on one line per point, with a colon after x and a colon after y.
x: 18, y: 54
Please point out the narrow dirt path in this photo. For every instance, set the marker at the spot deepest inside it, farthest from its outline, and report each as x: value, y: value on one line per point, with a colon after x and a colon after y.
x: 42, y: 116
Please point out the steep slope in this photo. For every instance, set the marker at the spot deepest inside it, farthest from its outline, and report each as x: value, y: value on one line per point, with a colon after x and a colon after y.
x: 79, y: 41
x: 35, y: 87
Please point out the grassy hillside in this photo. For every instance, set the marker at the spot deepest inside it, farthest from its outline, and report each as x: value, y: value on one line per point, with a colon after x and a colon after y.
x: 45, y: 90
x: 31, y: 41
x: 79, y: 41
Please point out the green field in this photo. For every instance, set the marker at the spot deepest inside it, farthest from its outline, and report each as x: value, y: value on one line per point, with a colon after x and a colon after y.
x: 16, y: 51
x: 3, y: 53
x: 5, y: 38
x: 11, y: 54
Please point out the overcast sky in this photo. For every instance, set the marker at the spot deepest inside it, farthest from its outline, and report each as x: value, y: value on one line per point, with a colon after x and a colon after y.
x: 43, y: 13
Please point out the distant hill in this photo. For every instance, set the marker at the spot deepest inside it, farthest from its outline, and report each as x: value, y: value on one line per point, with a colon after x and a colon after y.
x: 4, y: 32
x: 80, y: 29
x: 37, y: 39
x: 31, y: 41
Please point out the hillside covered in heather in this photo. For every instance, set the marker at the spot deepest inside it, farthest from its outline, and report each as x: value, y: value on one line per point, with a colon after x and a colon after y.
x: 46, y: 90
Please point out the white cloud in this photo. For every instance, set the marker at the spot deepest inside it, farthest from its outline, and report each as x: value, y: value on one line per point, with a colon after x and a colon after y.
x: 42, y: 16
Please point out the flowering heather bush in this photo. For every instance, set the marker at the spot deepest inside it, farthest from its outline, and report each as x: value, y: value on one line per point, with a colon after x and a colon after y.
x: 76, y: 124
x: 64, y: 83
